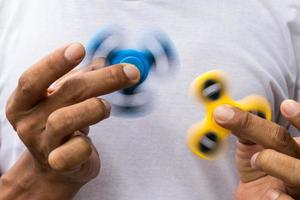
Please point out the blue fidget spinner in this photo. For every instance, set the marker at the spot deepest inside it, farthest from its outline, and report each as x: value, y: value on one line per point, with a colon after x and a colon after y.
x: 143, y: 60
x: 153, y: 47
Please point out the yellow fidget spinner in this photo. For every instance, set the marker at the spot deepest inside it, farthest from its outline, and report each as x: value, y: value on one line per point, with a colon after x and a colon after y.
x: 206, y: 139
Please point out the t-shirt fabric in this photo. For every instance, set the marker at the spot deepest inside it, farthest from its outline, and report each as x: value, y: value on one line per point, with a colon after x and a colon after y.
x: 146, y: 157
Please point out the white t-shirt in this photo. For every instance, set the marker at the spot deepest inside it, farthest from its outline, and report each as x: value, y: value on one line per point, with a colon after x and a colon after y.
x: 146, y: 157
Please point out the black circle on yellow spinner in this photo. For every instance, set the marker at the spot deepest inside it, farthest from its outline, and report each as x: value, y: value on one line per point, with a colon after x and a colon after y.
x: 258, y: 113
x: 212, y: 90
x: 209, y: 143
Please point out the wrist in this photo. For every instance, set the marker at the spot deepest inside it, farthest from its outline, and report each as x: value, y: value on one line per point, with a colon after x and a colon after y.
x: 25, y: 181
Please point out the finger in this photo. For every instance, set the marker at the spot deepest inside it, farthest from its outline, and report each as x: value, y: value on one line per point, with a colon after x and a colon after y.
x: 34, y: 82
x: 96, y: 64
x: 277, y: 195
x: 291, y: 110
x: 65, y: 121
x: 88, y: 85
x: 260, y: 131
x: 71, y: 154
x: 63, y: 78
x: 243, y: 156
x: 278, y: 165
x: 93, y: 84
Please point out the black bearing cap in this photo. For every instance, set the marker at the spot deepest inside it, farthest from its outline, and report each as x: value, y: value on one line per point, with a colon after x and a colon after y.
x: 212, y: 90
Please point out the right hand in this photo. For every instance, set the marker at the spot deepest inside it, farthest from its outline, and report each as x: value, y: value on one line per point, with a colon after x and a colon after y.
x: 59, y: 153
x: 267, y: 156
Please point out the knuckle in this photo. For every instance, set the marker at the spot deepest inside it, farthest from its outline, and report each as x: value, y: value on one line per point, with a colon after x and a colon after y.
x: 115, y: 75
x: 59, y: 121
x: 73, y: 88
x: 246, y: 120
x: 25, y: 130
x: 71, y: 83
x: 51, y: 61
x: 281, y: 137
x: 25, y: 84
x: 22, y: 129
x: 10, y: 113
x: 52, y: 122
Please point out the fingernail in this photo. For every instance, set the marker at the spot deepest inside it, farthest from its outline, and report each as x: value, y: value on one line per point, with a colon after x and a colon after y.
x: 253, y: 161
x: 131, y: 71
x: 108, y: 108
x: 290, y: 108
x: 223, y: 114
x: 74, y: 52
x: 272, y: 194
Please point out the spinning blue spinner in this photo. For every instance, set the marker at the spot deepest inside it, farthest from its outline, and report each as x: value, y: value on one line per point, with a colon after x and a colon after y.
x: 155, y: 50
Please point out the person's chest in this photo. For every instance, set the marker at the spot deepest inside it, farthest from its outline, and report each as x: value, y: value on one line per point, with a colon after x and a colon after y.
x: 145, y: 156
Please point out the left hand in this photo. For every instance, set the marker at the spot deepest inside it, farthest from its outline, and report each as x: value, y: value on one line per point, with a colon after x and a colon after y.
x: 267, y: 157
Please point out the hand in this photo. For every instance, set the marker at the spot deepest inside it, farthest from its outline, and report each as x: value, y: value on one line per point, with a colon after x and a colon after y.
x: 267, y: 156
x: 53, y: 123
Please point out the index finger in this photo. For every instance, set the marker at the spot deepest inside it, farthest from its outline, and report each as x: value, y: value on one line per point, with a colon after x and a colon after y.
x: 34, y: 82
x: 247, y: 126
x: 97, y: 63
x: 90, y: 84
